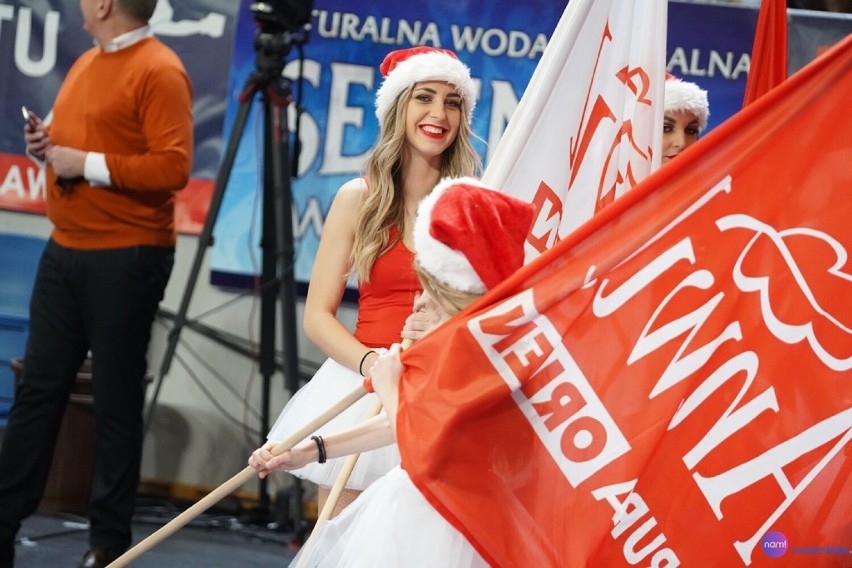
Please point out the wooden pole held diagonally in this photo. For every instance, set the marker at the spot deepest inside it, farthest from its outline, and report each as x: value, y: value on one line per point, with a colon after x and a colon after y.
x: 235, y: 482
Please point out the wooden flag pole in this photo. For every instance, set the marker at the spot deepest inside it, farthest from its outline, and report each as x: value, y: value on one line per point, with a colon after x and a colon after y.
x: 349, y: 464
x: 336, y: 489
x: 342, y: 479
x: 345, y: 474
x: 232, y: 484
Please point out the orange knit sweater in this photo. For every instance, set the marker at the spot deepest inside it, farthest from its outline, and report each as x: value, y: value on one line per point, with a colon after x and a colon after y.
x: 135, y: 106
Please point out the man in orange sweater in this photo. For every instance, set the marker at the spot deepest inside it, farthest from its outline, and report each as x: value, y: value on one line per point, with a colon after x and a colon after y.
x: 116, y: 151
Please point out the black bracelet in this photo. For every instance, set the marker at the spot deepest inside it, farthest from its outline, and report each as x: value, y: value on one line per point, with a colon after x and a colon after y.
x: 320, y: 448
x: 361, y: 364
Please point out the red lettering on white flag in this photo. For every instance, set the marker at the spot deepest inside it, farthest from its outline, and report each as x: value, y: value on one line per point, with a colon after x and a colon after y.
x: 544, y: 232
x: 589, y: 118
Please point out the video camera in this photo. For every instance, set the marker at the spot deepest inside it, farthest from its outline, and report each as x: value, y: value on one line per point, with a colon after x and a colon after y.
x: 282, y: 15
x: 280, y: 25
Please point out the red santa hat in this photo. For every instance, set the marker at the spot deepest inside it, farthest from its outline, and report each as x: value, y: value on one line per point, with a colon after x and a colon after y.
x: 685, y: 96
x: 404, y: 67
x: 471, y: 237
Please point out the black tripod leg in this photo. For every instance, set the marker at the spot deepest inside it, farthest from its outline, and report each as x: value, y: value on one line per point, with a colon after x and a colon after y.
x: 281, y: 181
x: 284, y: 235
x: 269, y: 286
x: 204, y: 242
x: 278, y: 260
x: 278, y: 254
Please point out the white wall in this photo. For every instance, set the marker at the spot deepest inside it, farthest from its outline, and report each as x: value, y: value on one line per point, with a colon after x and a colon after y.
x: 189, y: 440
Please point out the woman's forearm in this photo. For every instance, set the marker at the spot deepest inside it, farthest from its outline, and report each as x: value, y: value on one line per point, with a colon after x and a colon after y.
x: 371, y: 434
x: 389, y: 395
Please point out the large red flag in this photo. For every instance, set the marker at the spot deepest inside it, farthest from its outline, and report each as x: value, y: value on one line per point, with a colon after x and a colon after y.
x: 670, y: 384
x: 769, y: 52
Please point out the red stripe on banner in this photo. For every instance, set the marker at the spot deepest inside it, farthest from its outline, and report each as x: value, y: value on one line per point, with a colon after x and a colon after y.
x: 192, y: 204
x: 22, y: 189
x: 22, y: 186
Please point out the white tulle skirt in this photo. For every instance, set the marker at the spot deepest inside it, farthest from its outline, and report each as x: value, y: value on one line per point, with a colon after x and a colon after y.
x: 328, y: 386
x: 390, y: 524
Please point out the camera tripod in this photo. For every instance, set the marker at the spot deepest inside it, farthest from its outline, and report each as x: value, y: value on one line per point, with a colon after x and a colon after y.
x: 277, y: 280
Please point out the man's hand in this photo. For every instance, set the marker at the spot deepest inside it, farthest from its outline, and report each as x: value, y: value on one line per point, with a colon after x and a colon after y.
x: 36, y: 138
x: 67, y: 163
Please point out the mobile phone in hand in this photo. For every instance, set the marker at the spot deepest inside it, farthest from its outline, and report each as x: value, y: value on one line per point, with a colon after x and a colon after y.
x: 28, y: 117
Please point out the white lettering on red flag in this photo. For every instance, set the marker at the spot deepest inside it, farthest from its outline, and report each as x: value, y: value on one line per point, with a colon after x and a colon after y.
x: 549, y: 387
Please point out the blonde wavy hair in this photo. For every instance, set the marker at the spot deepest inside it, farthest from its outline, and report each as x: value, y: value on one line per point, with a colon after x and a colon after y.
x: 383, y: 207
x: 451, y: 300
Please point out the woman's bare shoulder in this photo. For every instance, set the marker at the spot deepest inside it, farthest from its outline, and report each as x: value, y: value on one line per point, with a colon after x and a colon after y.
x: 351, y: 192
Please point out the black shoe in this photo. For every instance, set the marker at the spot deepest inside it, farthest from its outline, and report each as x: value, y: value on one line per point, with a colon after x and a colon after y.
x: 7, y: 554
x: 97, y: 557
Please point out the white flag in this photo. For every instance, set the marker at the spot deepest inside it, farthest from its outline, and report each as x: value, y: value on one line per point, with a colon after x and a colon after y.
x: 587, y: 125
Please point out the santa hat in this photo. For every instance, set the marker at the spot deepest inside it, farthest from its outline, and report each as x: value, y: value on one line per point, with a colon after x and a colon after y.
x: 404, y: 67
x: 685, y: 96
x: 470, y: 237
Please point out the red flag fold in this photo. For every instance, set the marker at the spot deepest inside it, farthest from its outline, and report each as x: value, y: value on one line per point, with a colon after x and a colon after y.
x: 769, y: 52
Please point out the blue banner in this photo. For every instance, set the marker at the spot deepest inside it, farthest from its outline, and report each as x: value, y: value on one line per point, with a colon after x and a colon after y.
x: 39, y: 41
x: 500, y: 41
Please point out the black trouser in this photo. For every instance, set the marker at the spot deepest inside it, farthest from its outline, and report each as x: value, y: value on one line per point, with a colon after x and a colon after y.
x: 104, y: 301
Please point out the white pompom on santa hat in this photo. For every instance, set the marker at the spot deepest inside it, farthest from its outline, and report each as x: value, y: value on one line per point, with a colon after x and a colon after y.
x: 404, y: 67
x: 471, y: 237
x: 688, y: 97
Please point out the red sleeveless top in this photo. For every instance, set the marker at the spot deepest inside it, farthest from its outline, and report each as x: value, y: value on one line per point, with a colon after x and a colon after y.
x: 387, y: 299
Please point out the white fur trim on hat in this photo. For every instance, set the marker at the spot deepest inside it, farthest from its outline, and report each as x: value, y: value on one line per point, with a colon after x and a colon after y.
x: 685, y: 96
x: 450, y: 266
x: 426, y: 66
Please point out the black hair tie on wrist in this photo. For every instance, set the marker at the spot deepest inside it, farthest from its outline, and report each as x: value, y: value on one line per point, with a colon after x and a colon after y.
x: 361, y: 364
x: 320, y: 448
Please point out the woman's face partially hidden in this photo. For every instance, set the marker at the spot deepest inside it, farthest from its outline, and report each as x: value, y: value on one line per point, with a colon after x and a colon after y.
x: 680, y: 131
